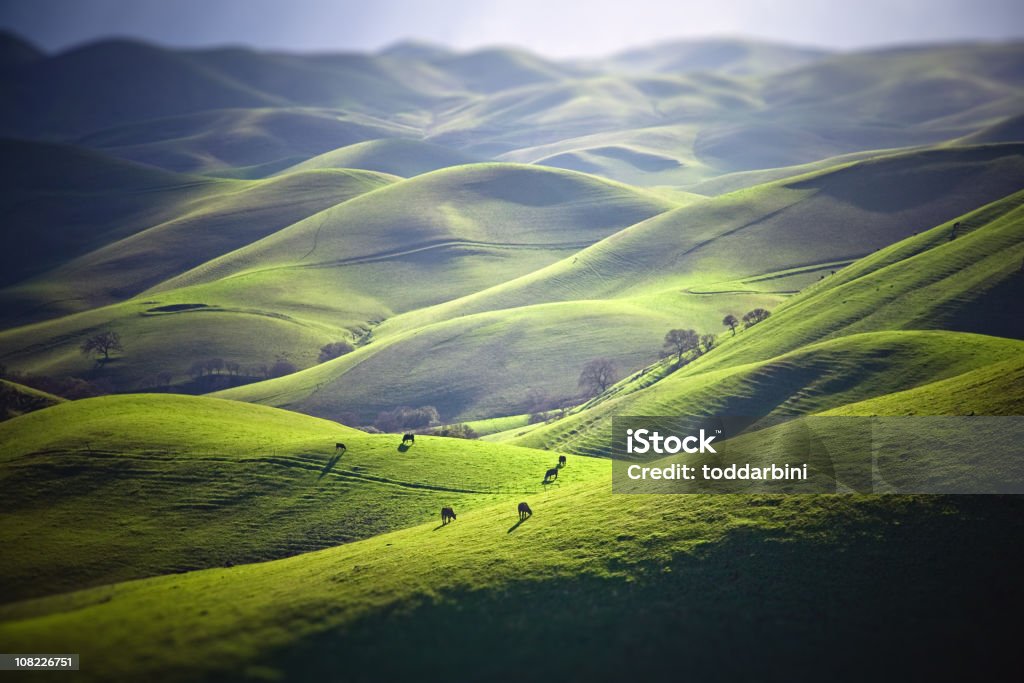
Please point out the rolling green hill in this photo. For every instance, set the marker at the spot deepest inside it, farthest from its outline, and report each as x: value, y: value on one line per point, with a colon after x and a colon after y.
x: 397, y: 156
x: 924, y: 282
x: 239, y: 213
x: 618, y: 297
x: 251, y: 142
x: 721, y: 56
x: 414, y: 243
x: 612, y: 570
x: 200, y: 482
x: 17, y: 399
x: 477, y: 226
x: 62, y: 201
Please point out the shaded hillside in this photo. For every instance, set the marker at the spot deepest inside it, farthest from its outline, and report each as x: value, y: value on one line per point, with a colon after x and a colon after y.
x: 241, y: 142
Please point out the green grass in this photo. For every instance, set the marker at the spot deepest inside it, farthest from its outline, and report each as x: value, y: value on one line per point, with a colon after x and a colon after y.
x: 925, y: 281
x: 618, y: 297
x: 200, y: 482
x: 325, y: 278
x: 396, y: 156
x: 635, y: 573
x: 221, y: 141
x: 240, y: 213
x: 17, y: 399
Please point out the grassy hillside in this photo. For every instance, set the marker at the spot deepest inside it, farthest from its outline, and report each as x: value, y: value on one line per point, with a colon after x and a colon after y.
x: 925, y: 281
x: 106, y: 84
x: 397, y: 156
x: 17, y: 399
x: 323, y: 279
x: 721, y: 56
x: 618, y: 297
x: 686, y: 573
x: 251, y: 142
x: 200, y: 482
x: 201, y: 229
x: 61, y: 201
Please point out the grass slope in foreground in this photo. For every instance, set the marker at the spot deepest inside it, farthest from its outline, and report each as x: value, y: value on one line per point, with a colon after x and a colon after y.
x: 120, y: 487
x: 616, y: 581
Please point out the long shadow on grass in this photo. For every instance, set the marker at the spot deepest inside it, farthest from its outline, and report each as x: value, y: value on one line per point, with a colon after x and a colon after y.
x: 329, y: 466
x: 516, y: 525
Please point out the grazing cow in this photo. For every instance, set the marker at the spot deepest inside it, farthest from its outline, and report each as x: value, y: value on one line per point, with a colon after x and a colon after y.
x: 340, y: 447
x: 524, y: 511
x: 561, y: 461
x: 408, y: 438
x: 551, y: 474
x: 447, y: 515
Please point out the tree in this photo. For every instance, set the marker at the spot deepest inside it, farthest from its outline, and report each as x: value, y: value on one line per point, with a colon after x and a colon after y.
x: 731, y: 322
x: 681, y: 341
x: 334, y: 350
x: 104, y: 343
x: 280, y: 368
x: 755, y: 316
x: 537, y: 401
x: 215, y: 365
x: 708, y: 341
x: 598, y: 375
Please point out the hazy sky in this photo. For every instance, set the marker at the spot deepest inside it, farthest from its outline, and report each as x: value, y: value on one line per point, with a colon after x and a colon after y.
x: 552, y: 27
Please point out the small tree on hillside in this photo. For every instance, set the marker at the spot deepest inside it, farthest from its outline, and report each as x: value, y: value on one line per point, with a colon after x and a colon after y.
x: 755, y: 316
x: 731, y: 322
x: 104, y: 343
x: 598, y: 375
x: 681, y: 341
x: 708, y: 341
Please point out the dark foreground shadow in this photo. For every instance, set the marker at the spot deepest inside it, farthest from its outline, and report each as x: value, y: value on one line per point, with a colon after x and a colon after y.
x: 330, y: 465
x: 808, y: 599
x: 404, y: 447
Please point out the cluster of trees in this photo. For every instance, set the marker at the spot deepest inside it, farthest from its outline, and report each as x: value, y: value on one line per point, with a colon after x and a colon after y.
x: 214, y: 366
x: 682, y: 342
x: 66, y: 387
x: 456, y: 431
x: 750, y: 318
x: 404, y: 417
x: 334, y: 350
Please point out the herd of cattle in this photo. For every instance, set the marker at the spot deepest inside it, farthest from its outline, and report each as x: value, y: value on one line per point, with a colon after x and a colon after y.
x: 448, y: 513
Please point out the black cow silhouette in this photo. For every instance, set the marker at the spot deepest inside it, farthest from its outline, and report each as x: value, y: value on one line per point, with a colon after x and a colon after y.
x: 408, y: 438
x: 447, y: 515
x: 524, y: 511
x: 953, y: 233
x: 551, y: 474
x: 340, y: 447
x: 561, y: 461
